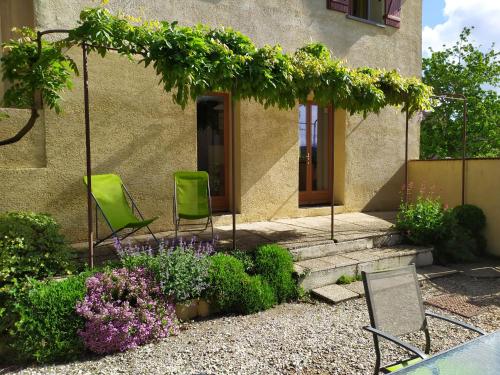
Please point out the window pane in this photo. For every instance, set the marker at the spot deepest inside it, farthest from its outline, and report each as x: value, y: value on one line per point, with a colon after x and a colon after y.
x: 211, y: 155
x: 319, y: 149
x: 302, y: 147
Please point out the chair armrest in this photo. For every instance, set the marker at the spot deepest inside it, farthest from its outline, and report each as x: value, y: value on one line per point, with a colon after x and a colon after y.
x: 454, y: 321
x: 396, y: 341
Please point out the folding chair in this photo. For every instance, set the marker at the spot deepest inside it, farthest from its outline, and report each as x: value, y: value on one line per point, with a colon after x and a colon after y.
x: 192, y: 198
x: 395, y: 307
x: 110, y: 196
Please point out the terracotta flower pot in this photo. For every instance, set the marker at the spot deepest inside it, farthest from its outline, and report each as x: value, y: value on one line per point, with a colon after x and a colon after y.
x: 187, y: 310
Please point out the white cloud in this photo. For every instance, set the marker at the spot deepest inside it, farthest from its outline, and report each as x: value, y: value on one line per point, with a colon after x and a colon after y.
x: 484, y: 15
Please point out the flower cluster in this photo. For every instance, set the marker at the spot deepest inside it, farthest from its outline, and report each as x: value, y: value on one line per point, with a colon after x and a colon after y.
x: 124, y: 309
x: 180, y: 267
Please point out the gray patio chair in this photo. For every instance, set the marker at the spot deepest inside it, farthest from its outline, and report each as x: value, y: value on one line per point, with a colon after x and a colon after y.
x: 395, y: 307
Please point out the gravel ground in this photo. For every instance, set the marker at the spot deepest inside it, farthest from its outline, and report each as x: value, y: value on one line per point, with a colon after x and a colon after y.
x: 299, y: 338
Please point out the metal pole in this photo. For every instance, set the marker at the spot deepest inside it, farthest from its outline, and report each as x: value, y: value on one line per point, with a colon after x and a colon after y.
x: 464, y: 149
x: 233, y: 170
x: 406, y: 155
x: 90, y: 237
x: 332, y: 179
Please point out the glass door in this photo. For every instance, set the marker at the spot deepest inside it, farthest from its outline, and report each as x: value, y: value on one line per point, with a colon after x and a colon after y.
x: 213, y: 145
x: 315, y: 134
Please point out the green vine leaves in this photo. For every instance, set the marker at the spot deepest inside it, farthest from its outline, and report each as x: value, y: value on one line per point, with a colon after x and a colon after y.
x: 191, y: 61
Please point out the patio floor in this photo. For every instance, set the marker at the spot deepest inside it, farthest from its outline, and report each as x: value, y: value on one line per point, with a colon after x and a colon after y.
x: 305, y: 231
x: 291, y: 233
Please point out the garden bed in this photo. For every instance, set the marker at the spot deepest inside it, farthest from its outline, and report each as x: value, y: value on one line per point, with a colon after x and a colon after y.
x: 288, y: 339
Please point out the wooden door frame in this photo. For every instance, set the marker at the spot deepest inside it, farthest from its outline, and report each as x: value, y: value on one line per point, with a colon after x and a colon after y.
x: 220, y: 203
x: 310, y: 197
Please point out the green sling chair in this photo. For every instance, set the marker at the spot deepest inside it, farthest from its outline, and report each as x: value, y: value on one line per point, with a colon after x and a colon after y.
x: 110, y: 196
x: 192, y: 198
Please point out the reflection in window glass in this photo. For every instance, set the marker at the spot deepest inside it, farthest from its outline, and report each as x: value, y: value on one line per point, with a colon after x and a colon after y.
x: 211, y: 155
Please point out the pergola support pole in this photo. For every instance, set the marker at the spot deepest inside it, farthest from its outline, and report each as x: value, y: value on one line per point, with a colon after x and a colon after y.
x: 233, y: 170
x: 406, y: 153
x: 90, y: 236
x: 332, y: 179
x: 464, y: 149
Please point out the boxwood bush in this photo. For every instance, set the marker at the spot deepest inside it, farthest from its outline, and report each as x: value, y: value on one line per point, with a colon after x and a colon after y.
x: 275, y: 264
x: 45, y: 324
x: 31, y: 245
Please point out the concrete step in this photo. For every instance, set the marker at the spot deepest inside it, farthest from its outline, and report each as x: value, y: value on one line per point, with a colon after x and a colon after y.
x: 331, y: 248
x: 322, y: 271
x: 334, y: 293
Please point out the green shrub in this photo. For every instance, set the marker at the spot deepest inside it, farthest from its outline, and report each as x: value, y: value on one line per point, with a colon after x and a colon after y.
x: 226, y: 277
x: 257, y: 295
x: 46, y: 323
x: 31, y: 246
x: 247, y: 258
x: 470, y: 217
x: 422, y: 222
x: 458, y: 246
x: 275, y: 265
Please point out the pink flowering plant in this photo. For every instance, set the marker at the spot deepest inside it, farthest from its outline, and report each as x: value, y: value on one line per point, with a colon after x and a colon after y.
x: 123, y: 309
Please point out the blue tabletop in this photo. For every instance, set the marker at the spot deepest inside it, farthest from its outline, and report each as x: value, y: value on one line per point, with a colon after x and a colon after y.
x: 480, y: 356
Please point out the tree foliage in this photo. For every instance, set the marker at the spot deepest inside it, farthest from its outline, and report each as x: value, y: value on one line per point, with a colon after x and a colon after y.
x: 191, y: 61
x: 463, y: 68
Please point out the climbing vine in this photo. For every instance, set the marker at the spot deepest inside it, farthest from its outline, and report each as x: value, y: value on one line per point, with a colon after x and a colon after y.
x: 191, y: 61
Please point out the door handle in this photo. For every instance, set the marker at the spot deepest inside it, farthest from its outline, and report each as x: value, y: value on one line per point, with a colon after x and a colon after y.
x: 308, y: 158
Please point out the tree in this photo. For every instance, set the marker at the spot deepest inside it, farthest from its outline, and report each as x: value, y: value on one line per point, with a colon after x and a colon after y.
x: 463, y: 69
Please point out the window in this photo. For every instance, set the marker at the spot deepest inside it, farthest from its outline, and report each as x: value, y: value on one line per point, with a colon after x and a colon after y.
x: 374, y: 11
x: 213, y: 145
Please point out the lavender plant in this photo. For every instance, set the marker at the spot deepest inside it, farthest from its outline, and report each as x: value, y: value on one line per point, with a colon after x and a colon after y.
x: 124, y: 309
x: 180, y: 267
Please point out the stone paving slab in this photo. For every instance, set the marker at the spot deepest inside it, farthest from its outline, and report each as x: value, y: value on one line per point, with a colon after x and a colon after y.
x: 335, y: 293
x: 434, y: 271
x: 356, y: 287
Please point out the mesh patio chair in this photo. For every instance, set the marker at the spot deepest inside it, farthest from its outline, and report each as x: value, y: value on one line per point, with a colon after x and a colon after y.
x: 395, y: 307
x: 192, y: 198
x: 110, y: 197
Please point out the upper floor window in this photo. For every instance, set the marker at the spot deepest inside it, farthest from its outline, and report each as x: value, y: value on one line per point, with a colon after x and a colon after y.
x: 376, y: 11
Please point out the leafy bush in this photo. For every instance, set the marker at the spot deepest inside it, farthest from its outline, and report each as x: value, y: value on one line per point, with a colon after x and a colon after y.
x: 470, y: 217
x: 226, y: 275
x: 181, y: 269
x: 472, y: 220
x: 124, y: 309
x: 455, y: 234
x: 275, y: 264
x: 247, y: 258
x: 46, y: 323
x: 421, y: 222
x: 458, y: 246
x: 233, y: 290
x: 30, y: 246
x: 257, y: 295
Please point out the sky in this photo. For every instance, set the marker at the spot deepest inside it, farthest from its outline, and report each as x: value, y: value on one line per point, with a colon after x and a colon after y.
x: 444, y: 19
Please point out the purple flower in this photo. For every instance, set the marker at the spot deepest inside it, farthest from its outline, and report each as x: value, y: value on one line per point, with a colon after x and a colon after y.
x: 124, y: 309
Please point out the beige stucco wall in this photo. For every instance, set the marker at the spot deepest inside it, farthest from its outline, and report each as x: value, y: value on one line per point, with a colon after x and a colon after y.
x: 139, y: 133
x: 14, y: 13
x: 482, y: 186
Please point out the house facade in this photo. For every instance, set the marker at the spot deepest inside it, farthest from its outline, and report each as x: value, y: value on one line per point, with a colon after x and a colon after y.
x: 283, y: 164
